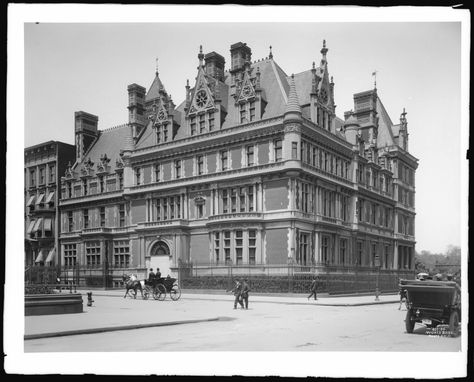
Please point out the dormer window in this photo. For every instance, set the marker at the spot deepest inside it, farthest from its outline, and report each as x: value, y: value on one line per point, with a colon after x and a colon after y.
x: 137, y: 176
x: 211, y: 121
x: 193, y: 126
x: 202, y: 123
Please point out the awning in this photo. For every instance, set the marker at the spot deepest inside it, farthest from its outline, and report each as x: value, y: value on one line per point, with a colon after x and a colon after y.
x: 49, y: 199
x: 30, y: 227
x: 47, y: 224
x: 40, y: 199
x: 30, y: 201
x: 50, y: 257
x: 37, y: 225
x: 40, y: 257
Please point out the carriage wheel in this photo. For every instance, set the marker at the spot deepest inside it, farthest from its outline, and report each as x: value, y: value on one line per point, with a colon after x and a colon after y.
x: 454, y: 324
x: 175, y: 293
x: 146, y: 293
x: 409, y: 322
x: 159, y: 293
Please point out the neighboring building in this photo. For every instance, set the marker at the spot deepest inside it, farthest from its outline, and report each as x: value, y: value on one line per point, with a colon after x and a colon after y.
x: 253, y: 167
x: 43, y: 163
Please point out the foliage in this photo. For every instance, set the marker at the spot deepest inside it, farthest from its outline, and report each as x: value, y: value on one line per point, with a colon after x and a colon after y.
x: 38, y: 289
x: 448, y: 262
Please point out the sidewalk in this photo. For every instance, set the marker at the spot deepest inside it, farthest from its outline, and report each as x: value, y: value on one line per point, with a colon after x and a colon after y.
x: 112, y: 314
x: 324, y: 299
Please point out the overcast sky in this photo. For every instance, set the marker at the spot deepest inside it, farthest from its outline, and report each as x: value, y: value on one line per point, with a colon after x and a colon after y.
x: 77, y: 66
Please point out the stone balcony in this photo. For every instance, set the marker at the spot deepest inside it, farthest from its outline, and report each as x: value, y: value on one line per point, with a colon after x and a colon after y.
x: 162, y: 224
x: 236, y: 217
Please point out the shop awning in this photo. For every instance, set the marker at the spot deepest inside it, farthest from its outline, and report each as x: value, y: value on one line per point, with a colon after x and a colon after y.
x: 30, y: 227
x: 40, y: 199
x: 47, y: 224
x: 50, y: 257
x: 49, y: 199
x: 38, y: 224
x: 30, y: 201
x: 40, y: 257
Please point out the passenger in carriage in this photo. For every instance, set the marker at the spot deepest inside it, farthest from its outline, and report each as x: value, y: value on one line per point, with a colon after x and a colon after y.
x: 158, y: 273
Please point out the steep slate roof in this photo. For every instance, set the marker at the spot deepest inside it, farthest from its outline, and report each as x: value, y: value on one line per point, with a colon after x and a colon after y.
x: 155, y: 87
x: 385, y: 134
x: 109, y: 142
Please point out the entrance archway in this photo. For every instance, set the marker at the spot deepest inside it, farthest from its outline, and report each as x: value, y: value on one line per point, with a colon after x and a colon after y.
x: 160, y: 258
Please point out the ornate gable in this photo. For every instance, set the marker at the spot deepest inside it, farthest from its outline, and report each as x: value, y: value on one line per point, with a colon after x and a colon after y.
x: 202, y: 99
x: 247, y: 90
x: 103, y: 165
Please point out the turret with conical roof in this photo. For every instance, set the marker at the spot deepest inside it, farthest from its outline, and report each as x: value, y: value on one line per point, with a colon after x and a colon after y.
x: 293, y: 108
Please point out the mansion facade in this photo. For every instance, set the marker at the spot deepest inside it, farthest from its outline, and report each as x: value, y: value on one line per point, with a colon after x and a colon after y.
x: 252, y: 167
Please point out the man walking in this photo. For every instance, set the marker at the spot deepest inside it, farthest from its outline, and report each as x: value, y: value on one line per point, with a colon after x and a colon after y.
x: 237, y: 290
x: 313, y: 288
x: 245, y: 293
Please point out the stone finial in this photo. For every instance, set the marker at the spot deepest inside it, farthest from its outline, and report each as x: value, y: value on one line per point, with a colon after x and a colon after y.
x: 156, y: 69
x: 200, y: 55
x: 270, y: 56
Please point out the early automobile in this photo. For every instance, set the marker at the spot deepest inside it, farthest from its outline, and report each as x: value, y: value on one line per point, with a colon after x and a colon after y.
x: 432, y: 303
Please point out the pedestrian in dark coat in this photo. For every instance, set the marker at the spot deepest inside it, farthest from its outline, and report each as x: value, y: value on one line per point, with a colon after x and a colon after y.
x: 237, y: 290
x: 245, y: 293
x: 313, y: 288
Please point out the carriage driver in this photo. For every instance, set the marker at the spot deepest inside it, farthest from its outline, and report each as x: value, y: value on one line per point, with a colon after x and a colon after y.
x: 151, y: 275
x: 158, y: 273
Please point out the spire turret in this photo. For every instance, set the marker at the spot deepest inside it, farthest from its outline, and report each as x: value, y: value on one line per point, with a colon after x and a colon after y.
x: 293, y: 109
x: 200, y: 56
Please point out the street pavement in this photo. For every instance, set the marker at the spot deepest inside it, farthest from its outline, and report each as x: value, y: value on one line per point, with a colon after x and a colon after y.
x: 110, y: 311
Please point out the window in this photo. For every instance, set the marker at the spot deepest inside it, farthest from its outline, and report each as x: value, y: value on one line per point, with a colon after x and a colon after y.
x: 121, y: 254
x: 200, y: 211
x: 193, y: 126
x: 178, y: 207
x: 102, y: 216
x: 250, y: 198
x: 157, y: 172
x: 252, y: 245
x: 216, y: 246
x: 121, y: 215
x: 242, y: 203
x: 120, y: 179
x: 294, y: 150
x: 359, y: 253
x: 211, y: 121
x: 315, y: 156
x: 374, y: 253
x: 32, y: 178
x: 138, y: 177
x: 302, y: 151
x: 305, y: 197
x: 302, y: 257
x: 101, y: 184
x: 41, y: 175
x: 165, y: 133
x: 70, y: 221
x: 70, y: 258
x: 85, y: 218
x: 52, y: 173
x: 177, y: 167
x: 374, y: 213
x: 225, y: 202
x: 69, y: 189
x: 325, y: 249
x: 224, y: 163
x: 238, y: 247
x: 343, y: 251
x: 227, y: 247
x: 200, y: 165
x: 250, y: 156
x: 278, y: 150
x: 233, y: 199
x: 344, y: 208
x: 243, y: 112
x: 202, y: 123
x: 171, y: 206
x: 158, y: 135
x: 387, y: 255
x: 92, y: 254
x: 84, y: 187
x: 158, y: 209
x: 252, y: 111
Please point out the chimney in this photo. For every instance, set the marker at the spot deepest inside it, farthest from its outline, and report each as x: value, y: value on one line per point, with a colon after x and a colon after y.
x: 239, y: 53
x: 214, y: 65
x: 86, y: 132
x: 136, y: 108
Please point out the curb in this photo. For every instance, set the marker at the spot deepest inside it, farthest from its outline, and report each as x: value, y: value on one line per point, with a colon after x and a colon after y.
x: 113, y: 328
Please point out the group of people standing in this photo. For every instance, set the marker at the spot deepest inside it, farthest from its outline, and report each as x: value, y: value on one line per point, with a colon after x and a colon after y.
x: 241, y: 292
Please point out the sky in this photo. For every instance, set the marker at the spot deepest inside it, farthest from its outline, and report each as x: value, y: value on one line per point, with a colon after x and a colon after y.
x: 62, y: 65
x: 76, y: 66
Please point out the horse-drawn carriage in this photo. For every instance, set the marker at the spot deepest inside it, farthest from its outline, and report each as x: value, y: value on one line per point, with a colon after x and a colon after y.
x: 160, y: 286
x: 432, y: 303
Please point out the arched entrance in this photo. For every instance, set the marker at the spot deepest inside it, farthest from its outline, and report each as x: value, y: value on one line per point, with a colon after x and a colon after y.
x: 160, y: 258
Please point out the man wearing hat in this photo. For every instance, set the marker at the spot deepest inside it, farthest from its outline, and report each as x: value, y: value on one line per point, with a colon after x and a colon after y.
x: 151, y: 275
x: 158, y: 273
x: 245, y: 293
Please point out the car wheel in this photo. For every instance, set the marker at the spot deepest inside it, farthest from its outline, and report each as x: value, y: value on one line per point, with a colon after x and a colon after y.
x: 454, y: 324
x: 409, y: 322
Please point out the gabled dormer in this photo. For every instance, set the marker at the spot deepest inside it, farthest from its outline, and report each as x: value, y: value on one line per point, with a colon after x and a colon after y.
x: 204, y: 111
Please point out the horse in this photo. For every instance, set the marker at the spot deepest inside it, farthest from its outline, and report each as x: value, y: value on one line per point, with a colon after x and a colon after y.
x: 131, y: 282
